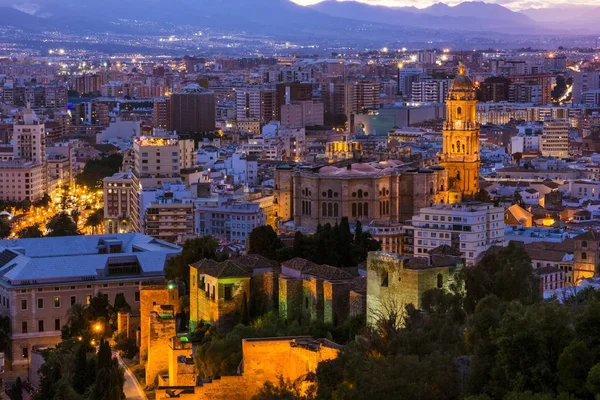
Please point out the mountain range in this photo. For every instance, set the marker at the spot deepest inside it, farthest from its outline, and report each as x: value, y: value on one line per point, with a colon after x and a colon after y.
x: 330, y: 18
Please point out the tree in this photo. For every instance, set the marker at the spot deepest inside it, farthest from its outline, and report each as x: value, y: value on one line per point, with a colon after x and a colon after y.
x: 4, y: 227
x: 80, y: 383
x: 109, y: 382
x: 283, y: 390
x: 120, y: 303
x: 94, y: 220
x: 32, y: 231
x: 506, y: 273
x: 62, y: 225
x: 593, y: 380
x: 98, y: 169
x: 193, y: 250
x: 77, y: 322
x: 264, y: 241
x: 16, y: 391
x: 245, y: 313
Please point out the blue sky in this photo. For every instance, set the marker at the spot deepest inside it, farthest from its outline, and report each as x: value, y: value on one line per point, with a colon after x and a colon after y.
x: 515, y: 5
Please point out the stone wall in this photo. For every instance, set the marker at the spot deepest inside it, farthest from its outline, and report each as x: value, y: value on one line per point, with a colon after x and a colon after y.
x: 358, y: 304
x: 336, y: 301
x: 264, y: 360
x: 161, y: 329
x: 290, y: 298
x: 390, y: 286
x: 150, y: 296
x: 181, y: 363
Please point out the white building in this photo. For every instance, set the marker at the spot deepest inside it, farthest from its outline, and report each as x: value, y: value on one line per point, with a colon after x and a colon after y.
x: 430, y: 90
x: 230, y: 221
x: 242, y: 169
x: 471, y: 227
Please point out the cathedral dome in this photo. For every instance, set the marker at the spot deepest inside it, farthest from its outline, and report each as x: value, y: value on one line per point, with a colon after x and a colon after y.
x: 462, y: 87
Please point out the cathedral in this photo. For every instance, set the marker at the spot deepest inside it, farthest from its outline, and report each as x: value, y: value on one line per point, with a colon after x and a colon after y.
x: 460, y: 152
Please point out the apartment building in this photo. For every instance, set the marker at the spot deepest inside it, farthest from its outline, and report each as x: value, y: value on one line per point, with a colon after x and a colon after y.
x: 471, y: 227
x: 555, y: 138
x: 40, y: 279
x: 229, y: 220
x: 121, y: 203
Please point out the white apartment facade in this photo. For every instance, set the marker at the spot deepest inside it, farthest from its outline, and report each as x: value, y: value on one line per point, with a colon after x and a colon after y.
x: 470, y: 227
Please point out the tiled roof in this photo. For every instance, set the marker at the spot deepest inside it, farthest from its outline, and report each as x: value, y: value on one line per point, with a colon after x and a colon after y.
x: 326, y: 272
x: 251, y: 262
x: 589, y: 235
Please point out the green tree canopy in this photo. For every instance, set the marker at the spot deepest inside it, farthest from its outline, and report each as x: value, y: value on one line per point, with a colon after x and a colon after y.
x: 62, y: 225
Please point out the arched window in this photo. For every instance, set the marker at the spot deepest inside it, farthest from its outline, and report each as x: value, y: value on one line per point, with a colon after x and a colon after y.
x: 430, y: 187
x: 458, y: 175
x: 458, y: 145
x: 330, y: 193
x: 354, y: 209
x: 440, y: 281
x: 442, y: 187
x: 330, y: 210
x: 459, y: 112
x: 324, y: 210
x: 366, y: 209
x: 584, y: 256
x: 303, y: 208
x: 584, y: 244
x: 387, y: 207
x: 360, y: 193
x: 381, y: 208
x: 360, y: 210
x: 335, y: 210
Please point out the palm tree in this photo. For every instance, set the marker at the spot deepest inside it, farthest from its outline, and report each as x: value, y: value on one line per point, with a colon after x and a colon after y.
x: 94, y: 220
x: 77, y: 321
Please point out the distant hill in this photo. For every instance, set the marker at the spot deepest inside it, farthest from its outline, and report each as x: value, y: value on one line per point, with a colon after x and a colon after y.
x: 471, y: 16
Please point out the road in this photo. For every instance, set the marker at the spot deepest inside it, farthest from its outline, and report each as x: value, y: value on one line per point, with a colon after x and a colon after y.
x: 132, y: 389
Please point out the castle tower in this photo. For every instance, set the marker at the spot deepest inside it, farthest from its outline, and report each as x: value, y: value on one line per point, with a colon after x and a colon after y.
x: 460, y: 154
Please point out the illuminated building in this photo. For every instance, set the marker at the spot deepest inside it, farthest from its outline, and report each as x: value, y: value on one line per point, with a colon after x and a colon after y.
x: 587, y: 256
x: 256, y: 104
x: 554, y: 141
x: 42, y: 279
x: 121, y: 203
x: 161, y: 113
x: 384, y: 191
x: 460, y: 153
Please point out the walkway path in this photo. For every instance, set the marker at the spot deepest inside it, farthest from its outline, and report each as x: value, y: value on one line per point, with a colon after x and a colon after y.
x: 132, y: 389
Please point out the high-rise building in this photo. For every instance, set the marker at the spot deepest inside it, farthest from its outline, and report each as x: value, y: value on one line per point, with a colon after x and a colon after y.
x: 121, y: 203
x: 494, y: 89
x: 406, y: 77
x: 555, y: 138
x: 256, y: 104
x: 29, y: 139
x: 460, y: 153
x: 193, y: 110
x: 161, y: 113
x: 366, y: 96
x: 300, y: 114
x: 584, y: 81
x: 430, y: 90
x: 291, y: 92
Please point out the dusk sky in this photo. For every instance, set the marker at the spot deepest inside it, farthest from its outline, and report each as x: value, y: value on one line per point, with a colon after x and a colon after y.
x: 515, y: 5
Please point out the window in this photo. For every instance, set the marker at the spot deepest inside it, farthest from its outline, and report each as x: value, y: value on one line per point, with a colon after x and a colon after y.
x: 23, y: 304
x: 24, y: 327
x: 57, y: 324
x: 41, y: 325
x: 56, y: 302
x: 385, y: 279
x: 40, y: 303
x: 440, y: 281
x: 584, y: 244
x: 88, y: 299
x: 227, y: 295
x: 73, y: 300
x: 137, y: 296
x: 584, y: 256
x: 25, y: 352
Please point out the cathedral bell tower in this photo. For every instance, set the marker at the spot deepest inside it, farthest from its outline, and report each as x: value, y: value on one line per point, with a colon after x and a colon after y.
x: 460, y: 153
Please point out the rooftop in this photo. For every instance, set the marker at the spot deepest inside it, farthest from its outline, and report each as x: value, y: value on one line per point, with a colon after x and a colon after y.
x: 82, y: 258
